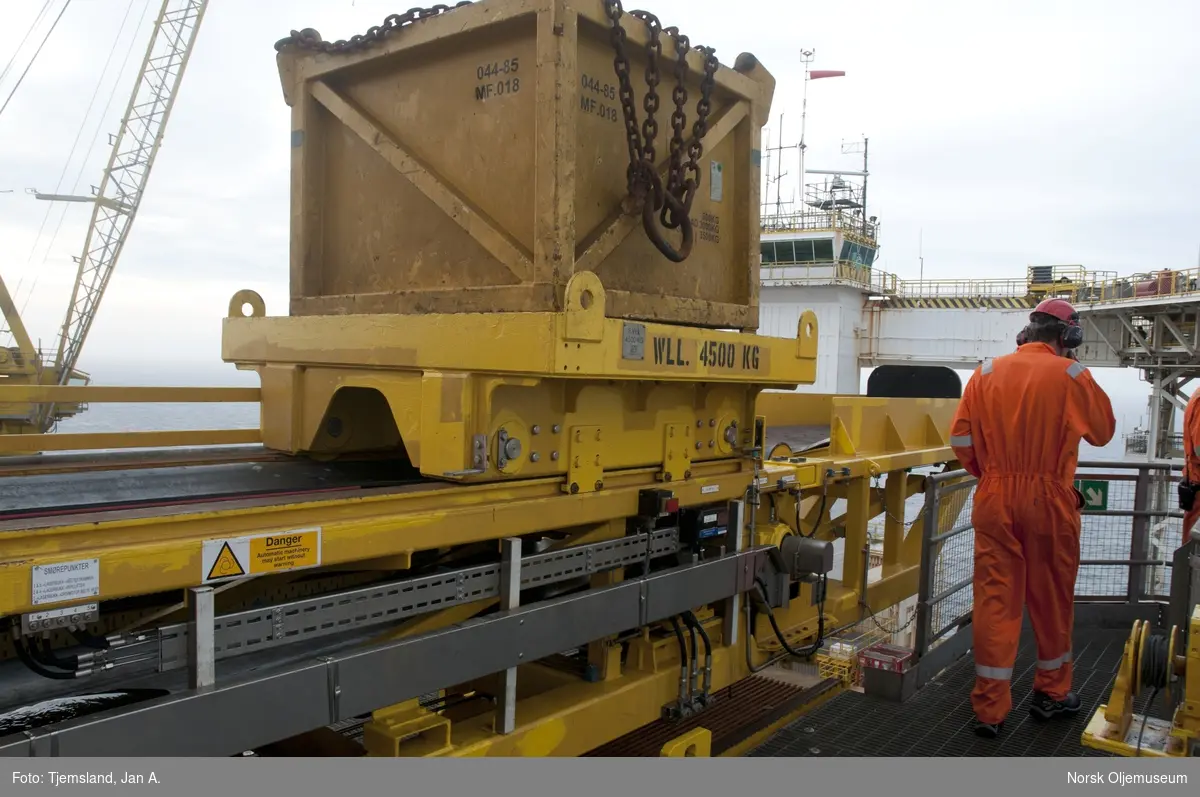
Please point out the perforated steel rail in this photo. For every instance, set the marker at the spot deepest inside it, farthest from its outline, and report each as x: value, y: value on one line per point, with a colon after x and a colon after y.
x: 258, y: 629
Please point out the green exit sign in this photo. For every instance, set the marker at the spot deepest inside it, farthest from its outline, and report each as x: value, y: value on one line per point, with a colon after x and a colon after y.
x: 1095, y: 493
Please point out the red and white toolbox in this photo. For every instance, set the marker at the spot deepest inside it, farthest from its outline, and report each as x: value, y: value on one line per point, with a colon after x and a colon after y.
x: 883, y: 656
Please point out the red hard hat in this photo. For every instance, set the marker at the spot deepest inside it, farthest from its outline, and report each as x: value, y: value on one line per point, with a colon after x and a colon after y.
x: 1059, y: 308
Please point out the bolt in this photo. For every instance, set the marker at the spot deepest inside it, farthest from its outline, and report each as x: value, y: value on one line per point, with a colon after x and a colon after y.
x: 574, y: 488
x: 698, y: 444
x: 712, y: 421
x: 599, y: 485
x: 556, y: 428
x: 554, y: 456
x: 534, y: 457
x: 536, y: 430
x: 699, y: 423
x: 712, y: 443
x: 687, y: 474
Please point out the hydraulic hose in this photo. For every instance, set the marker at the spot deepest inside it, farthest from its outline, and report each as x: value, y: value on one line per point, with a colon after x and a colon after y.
x: 685, y: 694
x: 694, y: 675
x: 820, y: 640
x: 48, y: 656
x: 90, y: 640
x: 694, y: 623
x: 28, y: 661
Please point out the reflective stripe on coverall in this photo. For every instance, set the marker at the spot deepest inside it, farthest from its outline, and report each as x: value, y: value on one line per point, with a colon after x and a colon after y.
x: 1191, y: 461
x: 1017, y: 429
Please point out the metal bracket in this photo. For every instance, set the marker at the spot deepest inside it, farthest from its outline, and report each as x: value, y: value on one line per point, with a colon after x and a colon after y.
x: 48, y: 620
x: 479, y: 458
x: 677, y: 452
x: 201, y: 646
x: 510, y: 598
x: 585, y: 469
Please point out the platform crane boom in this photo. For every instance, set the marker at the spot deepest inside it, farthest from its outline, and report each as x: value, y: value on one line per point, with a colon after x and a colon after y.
x: 119, y: 194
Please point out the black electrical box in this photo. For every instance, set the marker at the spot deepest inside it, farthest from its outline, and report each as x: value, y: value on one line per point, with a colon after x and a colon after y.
x: 657, y: 503
x: 700, y: 525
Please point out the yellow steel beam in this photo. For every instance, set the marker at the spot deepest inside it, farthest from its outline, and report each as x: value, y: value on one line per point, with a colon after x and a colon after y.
x: 145, y: 551
x: 579, y: 343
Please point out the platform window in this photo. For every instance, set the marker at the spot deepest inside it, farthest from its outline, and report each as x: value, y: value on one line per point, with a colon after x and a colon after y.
x: 823, y: 251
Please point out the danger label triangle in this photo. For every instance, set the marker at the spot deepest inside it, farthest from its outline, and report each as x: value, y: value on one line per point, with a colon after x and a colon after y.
x: 226, y: 564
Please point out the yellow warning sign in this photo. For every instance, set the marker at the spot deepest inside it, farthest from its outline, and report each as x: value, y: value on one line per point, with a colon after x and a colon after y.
x: 261, y: 554
x: 284, y: 551
x: 226, y: 564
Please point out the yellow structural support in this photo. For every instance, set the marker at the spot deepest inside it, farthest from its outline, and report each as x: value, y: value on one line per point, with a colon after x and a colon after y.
x: 696, y: 743
x: 491, y: 396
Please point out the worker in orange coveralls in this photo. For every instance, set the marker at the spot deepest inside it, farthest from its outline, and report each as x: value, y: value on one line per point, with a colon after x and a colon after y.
x: 1189, y: 485
x: 1017, y: 429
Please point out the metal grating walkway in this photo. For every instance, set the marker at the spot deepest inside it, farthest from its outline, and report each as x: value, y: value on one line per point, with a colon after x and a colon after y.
x: 937, y: 720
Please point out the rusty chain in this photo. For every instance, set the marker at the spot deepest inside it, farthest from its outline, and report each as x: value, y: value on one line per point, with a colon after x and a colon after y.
x: 673, y: 201
x: 309, y: 39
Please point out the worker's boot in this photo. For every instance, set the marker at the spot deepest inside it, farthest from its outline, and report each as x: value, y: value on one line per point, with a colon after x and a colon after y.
x: 1045, y: 707
x: 988, y: 730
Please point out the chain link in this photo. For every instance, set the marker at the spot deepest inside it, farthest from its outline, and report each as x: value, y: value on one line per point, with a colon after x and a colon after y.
x: 309, y: 39
x: 890, y: 631
x: 673, y: 201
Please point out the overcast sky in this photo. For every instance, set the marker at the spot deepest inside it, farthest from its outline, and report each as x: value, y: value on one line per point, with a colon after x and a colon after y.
x: 1010, y: 133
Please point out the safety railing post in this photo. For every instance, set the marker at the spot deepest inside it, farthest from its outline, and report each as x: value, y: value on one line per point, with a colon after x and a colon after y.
x: 925, y: 582
x: 1139, y: 539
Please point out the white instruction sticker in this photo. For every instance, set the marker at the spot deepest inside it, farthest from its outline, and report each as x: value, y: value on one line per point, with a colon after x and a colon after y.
x: 66, y: 581
x: 708, y: 489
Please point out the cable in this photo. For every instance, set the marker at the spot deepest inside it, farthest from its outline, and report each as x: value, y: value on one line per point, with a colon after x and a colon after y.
x: 820, y: 640
x: 36, y: 53
x: 68, y: 663
x: 695, y: 624
x: 694, y: 675
x: 684, y: 693
x: 36, y: 22
x: 29, y: 661
x: 1156, y: 673
x: 90, y: 640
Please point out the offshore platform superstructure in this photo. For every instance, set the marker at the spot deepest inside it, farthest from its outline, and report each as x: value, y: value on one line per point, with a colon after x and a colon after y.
x: 527, y: 481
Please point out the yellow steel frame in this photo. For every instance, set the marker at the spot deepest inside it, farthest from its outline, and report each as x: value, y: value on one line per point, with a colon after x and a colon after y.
x: 581, y: 394
x: 444, y: 379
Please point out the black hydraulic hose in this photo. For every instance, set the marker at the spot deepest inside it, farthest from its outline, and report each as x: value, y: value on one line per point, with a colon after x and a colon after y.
x: 48, y: 656
x: 816, y: 645
x: 28, y: 661
x: 90, y: 640
x: 691, y: 620
x: 694, y: 675
x: 684, y: 694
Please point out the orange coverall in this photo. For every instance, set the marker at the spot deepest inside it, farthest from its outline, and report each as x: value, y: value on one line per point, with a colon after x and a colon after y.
x: 1017, y: 429
x: 1191, y: 458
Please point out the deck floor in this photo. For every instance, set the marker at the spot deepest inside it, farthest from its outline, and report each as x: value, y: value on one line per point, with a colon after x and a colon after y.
x: 937, y: 720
